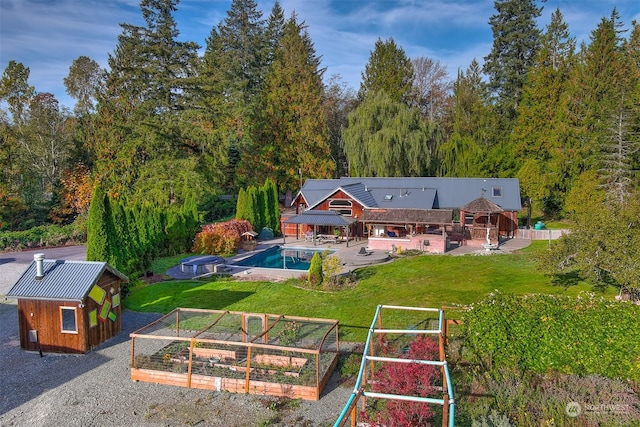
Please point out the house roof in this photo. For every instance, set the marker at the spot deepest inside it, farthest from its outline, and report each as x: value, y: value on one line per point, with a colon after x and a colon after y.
x: 412, y: 216
x: 63, y: 280
x: 328, y: 218
x: 416, y: 193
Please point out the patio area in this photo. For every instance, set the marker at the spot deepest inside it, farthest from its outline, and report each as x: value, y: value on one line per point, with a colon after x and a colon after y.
x: 358, y: 254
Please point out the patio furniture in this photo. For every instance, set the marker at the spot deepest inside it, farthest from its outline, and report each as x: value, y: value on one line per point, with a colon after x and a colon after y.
x: 327, y: 238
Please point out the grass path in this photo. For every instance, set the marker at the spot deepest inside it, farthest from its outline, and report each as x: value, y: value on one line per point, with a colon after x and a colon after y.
x: 422, y: 281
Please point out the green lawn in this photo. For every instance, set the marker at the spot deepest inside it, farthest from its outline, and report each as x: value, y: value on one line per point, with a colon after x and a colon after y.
x: 421, y: 281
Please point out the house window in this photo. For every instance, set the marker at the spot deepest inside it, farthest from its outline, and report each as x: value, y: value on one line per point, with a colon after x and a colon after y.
x: 342, y: 206
x: 497, y: 191
x: 68, y: 320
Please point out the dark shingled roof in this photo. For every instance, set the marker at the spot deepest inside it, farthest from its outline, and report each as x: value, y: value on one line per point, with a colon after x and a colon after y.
x: 411, y: 216
x: 416, y: 192
x: 481, y: 205
x: 63, y: 280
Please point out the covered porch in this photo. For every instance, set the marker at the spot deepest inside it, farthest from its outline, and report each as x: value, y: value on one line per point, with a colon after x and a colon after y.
x: 320, y: 226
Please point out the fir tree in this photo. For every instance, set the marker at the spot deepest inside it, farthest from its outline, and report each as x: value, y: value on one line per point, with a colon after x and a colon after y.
x: 539, y: 135
x: 101, y: 233
x: 515, y: 42
x: 389, y: 70
x: 291, y: 134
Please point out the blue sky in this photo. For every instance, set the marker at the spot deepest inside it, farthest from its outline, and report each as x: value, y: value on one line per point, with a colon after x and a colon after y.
x: 47, y: 35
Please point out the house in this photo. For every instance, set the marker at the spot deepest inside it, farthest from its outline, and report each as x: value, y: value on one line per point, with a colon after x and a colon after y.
x: 426, y: 213
x: 67, y: 306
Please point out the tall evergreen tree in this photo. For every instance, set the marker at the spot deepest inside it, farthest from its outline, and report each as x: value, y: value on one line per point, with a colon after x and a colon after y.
x: 252, y: 213
x: 598, y: 109
x: 141, y: 110
x: 389, y: 70
x: 234, y: 68
x: 274, y: 205
x: 515, y: 42
x: 101, y: 232
x: 619, y: 153
x: 460, y: 155
x: 273, y: 34
x: 241, y: 205
x: 540, y: 132
x: 291, y: 132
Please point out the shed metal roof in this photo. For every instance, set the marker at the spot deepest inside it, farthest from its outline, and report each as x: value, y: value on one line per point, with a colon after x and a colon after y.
x: 63, y: 280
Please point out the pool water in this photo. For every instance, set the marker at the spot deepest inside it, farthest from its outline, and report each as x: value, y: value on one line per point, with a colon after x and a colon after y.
x: 282, y: 258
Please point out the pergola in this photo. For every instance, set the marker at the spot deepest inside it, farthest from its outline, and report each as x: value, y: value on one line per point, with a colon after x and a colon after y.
x: 483, y: 207
x: 322, y: 218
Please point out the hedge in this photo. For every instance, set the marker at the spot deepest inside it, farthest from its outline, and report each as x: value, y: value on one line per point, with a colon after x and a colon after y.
x: 572, y: 335
x: 43, y: 236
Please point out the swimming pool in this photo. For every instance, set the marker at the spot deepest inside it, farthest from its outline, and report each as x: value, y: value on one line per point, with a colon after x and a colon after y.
x: 282, y: 258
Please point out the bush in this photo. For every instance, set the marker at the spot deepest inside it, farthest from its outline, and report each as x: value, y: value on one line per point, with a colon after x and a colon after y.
x: 532, y: 400
x: 315, y: 269
x: 223, y: 238
x: 410, y: 379
x: 43, y: 236
x: 540, y: 333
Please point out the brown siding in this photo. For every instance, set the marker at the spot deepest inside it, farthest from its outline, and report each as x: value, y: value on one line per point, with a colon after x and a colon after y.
x: 46, y: 321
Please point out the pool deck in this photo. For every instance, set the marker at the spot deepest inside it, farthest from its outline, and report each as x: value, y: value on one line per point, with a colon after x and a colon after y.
x: 349, y: 255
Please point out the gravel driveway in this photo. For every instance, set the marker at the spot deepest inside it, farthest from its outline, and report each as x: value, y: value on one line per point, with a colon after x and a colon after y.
x: 95, y: 390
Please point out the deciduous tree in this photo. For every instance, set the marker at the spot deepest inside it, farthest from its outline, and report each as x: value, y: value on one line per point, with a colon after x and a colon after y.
x: 83, y: 83
x: 432, y: 88
x: 387, y: 138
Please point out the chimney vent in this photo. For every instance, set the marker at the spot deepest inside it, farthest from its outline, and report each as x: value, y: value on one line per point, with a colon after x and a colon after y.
x: 39, y: 259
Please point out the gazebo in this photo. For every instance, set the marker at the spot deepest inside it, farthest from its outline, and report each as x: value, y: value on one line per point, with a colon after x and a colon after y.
x: 321, y: 218
x: 486, y: 219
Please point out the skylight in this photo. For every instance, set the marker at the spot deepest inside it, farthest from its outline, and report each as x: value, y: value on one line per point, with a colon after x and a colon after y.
x: 388, y: 197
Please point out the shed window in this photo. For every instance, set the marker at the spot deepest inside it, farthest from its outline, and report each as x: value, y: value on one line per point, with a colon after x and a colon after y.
x: 497, y: 191
x: 68, y: 320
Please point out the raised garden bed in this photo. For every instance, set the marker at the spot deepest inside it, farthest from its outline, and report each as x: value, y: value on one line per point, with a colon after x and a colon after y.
x: 261, y: 365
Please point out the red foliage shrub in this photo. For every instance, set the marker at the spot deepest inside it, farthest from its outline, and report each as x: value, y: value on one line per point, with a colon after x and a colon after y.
x: 409, y: 379
x: 222, y: 238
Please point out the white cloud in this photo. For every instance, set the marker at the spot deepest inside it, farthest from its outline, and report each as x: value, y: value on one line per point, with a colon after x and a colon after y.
x: 47, y: 35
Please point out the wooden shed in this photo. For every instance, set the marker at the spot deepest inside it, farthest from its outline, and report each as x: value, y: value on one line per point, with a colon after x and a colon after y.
x: 67, y: 306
